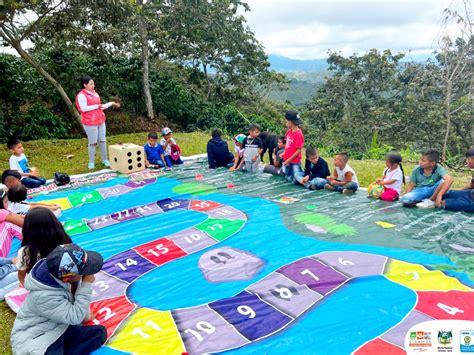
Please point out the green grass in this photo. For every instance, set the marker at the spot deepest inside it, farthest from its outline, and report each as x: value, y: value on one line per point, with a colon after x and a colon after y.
x: 50, y: 156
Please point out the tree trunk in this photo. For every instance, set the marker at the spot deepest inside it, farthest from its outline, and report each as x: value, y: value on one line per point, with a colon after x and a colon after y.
x: 145, y: 68
x: 26, y: 57
x: 447, y: 102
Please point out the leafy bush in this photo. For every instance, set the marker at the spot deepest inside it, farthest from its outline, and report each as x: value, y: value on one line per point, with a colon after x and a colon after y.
x: 40, y: 123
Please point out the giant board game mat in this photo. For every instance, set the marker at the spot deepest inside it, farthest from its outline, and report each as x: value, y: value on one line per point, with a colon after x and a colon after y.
x: 203, y: 261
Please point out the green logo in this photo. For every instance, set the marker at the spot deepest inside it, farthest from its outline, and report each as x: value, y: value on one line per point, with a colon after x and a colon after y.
x: 467, y: 340
x: 445, y: 337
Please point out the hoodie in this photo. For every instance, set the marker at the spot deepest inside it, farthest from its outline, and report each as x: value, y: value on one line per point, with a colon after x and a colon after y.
x: 218, y: 154
x: 47, y: 311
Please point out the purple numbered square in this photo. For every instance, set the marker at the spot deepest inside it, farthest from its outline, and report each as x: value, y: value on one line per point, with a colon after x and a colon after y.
x: 139, y: 184
x: 252, y: 317
x: 168, y: 204
x: 116, y: 190
x: 149, y: 209
x: 101, y: 222
x: 127, y: 266
x: 317, y: 276
x: 106, y: 286
x: 125, y: 215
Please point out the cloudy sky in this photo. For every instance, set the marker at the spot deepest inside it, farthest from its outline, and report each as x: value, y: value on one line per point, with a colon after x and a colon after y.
x: 306, y: 29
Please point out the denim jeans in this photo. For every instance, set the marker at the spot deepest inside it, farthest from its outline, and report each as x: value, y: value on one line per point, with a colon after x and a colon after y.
x: 78, y: 339
x: 32, y: 182
x: 291, y: 171
x: 419, y: 194
x: 158, y: 162
x: 318, y: 183
x: 170, y: 162
x: 459, y: 201
x: 349, y: 186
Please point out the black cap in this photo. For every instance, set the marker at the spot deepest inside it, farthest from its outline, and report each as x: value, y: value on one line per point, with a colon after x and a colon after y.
x: 470, y: 153
x: 294, y: 117
x: 71, y: 260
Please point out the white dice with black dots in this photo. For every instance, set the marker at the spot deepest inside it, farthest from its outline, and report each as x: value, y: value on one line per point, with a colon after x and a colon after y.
x: 127, y: 157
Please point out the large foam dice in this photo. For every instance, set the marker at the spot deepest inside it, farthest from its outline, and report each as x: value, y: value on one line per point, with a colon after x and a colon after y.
x: 229, y: 264
x: 127, y: 157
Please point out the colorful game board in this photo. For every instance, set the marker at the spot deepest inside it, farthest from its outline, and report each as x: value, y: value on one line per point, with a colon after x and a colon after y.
x: 194, y: 266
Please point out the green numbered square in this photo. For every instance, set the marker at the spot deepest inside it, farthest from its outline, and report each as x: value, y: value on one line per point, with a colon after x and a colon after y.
x: 80, y: 198
x: 73, y: 227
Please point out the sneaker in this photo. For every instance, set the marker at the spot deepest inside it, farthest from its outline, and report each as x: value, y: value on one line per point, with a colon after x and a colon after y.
x: 329, y: 187
x: 312, y: 187
x: 347, y: 192
x: 91, y: 166
x: 426, y: 203
x: 106, y: 163
x: 409, y: 204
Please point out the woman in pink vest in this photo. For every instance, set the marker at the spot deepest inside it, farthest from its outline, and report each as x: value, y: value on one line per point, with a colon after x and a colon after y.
x: 93, y: 119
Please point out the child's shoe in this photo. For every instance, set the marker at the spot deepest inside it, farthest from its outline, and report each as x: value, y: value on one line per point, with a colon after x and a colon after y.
x: 313, y: 187
x: 329, y: 187
x: 426, y: 203
x: 347, y: 192
x: 91, y: 166
x: 106, y: 163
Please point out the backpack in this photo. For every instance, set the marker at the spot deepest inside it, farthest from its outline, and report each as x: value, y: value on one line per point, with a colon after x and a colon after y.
x: 61, y: 179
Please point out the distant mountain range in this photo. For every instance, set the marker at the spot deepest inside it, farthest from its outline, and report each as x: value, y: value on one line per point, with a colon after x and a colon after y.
x: 283, y: 64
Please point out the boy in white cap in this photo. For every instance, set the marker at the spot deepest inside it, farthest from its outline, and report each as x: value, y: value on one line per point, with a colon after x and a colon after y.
x: 171, y: 149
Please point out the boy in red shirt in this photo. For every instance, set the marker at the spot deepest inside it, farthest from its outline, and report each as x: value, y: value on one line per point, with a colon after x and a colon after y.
x: 294, y: 145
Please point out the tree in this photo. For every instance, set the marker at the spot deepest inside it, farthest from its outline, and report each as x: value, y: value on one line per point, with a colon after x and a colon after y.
x: 456, y: 56
x: 19, y: 20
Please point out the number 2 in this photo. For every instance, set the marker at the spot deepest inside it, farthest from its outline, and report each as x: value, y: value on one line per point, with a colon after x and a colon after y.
x: 108, y: 314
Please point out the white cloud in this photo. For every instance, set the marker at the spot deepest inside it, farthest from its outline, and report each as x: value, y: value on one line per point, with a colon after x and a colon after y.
x: 308, y: 29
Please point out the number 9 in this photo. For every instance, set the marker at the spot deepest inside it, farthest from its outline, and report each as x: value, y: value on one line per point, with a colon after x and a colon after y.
x: 246, y: 311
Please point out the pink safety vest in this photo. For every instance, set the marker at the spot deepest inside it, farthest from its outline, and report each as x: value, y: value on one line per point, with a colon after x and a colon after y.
x: 94, y: 117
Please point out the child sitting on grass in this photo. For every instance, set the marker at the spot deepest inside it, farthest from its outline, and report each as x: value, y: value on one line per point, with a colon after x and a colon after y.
x: 253, y: 147
x: 11, y: 178
x: 10, y: 225
x: 294, y: 145
x: 171, y: 149
x: 154, y: 152
x: 392, y: 179
x: 50, y: 320
x: 218, y: 154
x: 239, y: 151
x: 42, y: 232
x: 17, y: 196
x: 8, y: 276
x: 425, y: 181
x: 459, y: 200
x: 316, y: 171
x: 344, y: 178
x: 18, y: 161
x: 277, y: 167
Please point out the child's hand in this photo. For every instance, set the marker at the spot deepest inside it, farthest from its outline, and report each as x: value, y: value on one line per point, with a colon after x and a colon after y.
x: 254, y: 158
x: 439, y: 200
x: 305, y: 179
x: 330, y: 178
x: 378, y: 181
x: 286, y: 163
x: 88, y: 278
x: 14, y: 260
x: 232, y: 169
x: 115, y: 104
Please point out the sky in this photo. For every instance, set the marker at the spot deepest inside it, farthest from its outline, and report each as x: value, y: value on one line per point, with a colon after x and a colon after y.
x: 307, y: 29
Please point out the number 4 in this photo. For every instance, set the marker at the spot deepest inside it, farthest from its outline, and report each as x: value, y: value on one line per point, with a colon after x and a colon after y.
x: 450, y: 310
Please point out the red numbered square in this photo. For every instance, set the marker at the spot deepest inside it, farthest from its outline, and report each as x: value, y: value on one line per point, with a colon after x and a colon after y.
x: 160, y: 251
x: 110, y: 313
x: 200, y: 206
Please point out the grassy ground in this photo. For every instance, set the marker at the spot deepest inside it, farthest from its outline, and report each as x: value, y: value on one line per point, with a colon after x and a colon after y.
x: 51, y: 156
